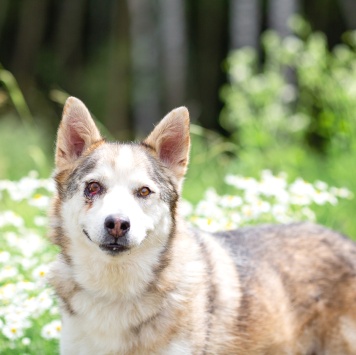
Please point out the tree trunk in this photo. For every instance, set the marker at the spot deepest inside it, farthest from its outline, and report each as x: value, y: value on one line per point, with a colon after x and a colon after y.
x: 279, y: 13
x: 119, y: 73
x: 28, y: 41
x: 210, y: 53
x: 145, y: 65
x: 349, y: 11
x: 245, y: 23
x: 3, y: 11
x: 174, y: 52
x: 68, y: 41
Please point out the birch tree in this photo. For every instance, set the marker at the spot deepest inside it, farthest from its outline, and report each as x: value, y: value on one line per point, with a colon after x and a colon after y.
x: 3, y: 9
x: 174, y: 51
x: 245, y: 23
x: 279, y: 12
x: 70, y: 32
x: 349, y: 11
x: 28, y: 41
x: 145, y: 65
x: 119, y: 72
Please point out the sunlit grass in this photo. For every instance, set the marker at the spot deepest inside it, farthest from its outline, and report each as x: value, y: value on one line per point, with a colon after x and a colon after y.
x: 208, y: 170
x: 24, y: 148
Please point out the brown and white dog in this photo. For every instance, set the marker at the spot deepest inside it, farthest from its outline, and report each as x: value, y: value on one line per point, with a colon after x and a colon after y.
x: 132, y: 278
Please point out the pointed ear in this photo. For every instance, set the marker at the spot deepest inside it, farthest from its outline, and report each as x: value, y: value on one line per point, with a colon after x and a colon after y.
x: 171, y: 141
x: 77, y: 131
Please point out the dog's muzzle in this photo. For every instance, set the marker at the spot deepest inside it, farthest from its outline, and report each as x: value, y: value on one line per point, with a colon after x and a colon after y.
x: 116, y: 238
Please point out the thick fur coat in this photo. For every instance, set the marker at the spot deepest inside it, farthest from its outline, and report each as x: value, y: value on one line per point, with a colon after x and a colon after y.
x: 131, y: 278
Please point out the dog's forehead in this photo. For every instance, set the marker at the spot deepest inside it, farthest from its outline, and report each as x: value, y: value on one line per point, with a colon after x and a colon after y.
x: 121, y: 160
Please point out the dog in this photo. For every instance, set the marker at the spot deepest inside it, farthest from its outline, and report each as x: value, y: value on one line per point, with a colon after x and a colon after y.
x: 132, y: 278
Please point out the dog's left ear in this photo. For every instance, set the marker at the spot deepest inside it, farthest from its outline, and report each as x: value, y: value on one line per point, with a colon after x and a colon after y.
x: 171, y: 141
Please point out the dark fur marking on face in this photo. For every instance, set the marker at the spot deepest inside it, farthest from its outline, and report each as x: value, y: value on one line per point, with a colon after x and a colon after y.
x: 162, y: 176
x: 60, y: 180
x: 76, y: 177
x: 68, y: 181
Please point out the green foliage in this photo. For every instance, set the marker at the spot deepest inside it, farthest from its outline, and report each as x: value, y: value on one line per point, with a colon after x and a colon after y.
x: 302, y: 93
x: 207, y: 169
x: 24, y: 147
x: 295, y: 112
x: 14, y: 92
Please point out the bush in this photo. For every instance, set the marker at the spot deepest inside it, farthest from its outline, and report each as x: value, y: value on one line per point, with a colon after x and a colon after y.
x: 303, y: 95
x: 295, y: 111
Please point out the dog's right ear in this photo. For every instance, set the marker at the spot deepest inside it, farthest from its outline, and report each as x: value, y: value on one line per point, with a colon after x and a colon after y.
x: 77, y: 132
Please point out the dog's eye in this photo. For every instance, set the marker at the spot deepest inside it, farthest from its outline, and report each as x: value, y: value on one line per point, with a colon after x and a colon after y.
x: 144, y: 192
x: 92, y: 189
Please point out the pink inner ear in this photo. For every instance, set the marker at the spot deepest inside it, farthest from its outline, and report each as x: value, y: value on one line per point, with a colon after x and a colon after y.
x: 170, y: 150
x: 76, y: 143
x: 167, y: 153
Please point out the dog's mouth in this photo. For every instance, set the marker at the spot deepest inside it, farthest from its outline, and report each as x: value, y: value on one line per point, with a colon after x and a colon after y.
x: 113, y: 248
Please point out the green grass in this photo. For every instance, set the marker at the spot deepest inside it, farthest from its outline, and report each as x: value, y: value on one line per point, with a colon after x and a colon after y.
x: 207, y: 169
x: 24, y: 147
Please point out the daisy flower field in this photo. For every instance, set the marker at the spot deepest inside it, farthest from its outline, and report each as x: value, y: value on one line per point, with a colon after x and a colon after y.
x: 29, y: 316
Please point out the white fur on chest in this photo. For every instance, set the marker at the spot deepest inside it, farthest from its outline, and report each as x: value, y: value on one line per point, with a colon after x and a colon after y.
x: 104, y: 330
x: 98, y: 327
x: 111, y: 301
x: 104, y: 325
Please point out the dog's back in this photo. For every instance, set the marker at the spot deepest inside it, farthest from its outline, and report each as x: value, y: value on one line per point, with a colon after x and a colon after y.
x: 298, y: 290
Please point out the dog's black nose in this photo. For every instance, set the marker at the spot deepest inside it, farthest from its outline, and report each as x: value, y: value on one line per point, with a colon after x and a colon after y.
x: 117, y: 226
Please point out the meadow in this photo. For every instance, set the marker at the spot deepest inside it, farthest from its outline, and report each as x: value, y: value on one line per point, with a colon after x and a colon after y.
x: 216, y: 197
x: 266, y: 168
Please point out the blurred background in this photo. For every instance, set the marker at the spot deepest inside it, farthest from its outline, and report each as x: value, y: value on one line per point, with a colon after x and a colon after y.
x: 269, y: 83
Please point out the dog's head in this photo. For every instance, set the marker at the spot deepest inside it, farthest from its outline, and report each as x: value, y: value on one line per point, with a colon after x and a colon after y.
x: 114, y: 197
